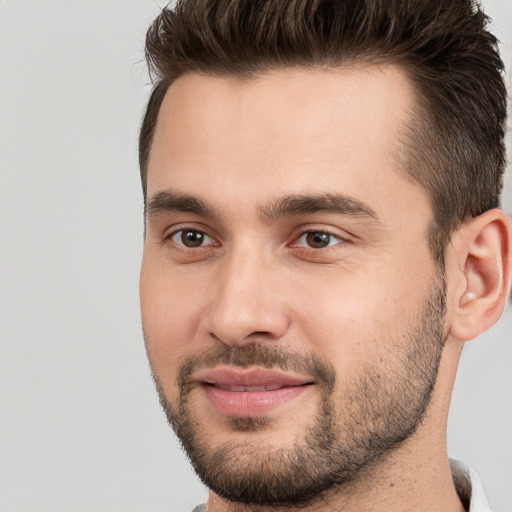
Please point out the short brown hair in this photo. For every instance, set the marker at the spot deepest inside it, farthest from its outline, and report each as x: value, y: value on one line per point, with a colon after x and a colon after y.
x: 454, y: 147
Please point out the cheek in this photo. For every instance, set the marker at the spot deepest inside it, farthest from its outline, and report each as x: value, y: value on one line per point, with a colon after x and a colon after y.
x: 343, y: 332
x: 169, y: 299
x: 170, y: 312
x: 350, y: 321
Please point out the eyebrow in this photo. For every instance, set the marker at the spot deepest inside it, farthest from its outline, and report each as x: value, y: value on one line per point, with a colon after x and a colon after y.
x: 286, y: 206
x: 335, y: 203
x: 170, y: 201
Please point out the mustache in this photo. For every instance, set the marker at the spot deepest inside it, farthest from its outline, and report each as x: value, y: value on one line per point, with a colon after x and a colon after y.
x: 265, y: 356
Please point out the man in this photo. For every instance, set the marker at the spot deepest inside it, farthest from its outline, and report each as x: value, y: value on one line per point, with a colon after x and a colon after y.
x: 323, y: 234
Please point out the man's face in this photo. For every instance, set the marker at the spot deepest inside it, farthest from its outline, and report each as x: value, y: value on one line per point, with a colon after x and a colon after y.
x: 292, y: 311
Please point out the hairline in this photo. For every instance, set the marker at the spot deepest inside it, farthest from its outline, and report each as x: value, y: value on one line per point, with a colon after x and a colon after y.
x: 256, y: 72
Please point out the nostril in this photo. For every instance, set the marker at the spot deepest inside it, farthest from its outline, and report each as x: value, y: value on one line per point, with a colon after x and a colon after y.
x: 251, y: 338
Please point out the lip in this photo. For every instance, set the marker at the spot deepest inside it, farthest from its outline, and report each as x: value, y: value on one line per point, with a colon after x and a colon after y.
x: 250, y: 392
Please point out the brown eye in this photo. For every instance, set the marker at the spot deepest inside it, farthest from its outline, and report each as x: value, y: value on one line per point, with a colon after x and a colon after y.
x: 191, y: 238
x: 317, y: 240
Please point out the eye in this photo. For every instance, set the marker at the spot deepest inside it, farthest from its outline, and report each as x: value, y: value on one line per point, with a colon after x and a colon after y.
x: 317, y: 240
x: 191, y: 238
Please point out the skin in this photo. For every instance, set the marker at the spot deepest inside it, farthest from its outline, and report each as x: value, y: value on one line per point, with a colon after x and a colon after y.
x: 241, y: 146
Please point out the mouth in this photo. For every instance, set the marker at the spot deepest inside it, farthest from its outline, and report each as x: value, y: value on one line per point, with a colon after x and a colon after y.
x: 250, y: 392
x: 250, y: 389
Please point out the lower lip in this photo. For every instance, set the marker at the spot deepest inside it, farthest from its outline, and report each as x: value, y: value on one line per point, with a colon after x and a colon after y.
x: 250, y: 403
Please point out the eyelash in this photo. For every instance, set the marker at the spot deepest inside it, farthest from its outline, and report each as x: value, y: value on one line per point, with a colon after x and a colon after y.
x: 316, y: 232
x: 184, y: 230
x: 295, y: 244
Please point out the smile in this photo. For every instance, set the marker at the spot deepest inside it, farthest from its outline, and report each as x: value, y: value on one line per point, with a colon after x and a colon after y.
x: 250, y: 389
x: 250, y: 392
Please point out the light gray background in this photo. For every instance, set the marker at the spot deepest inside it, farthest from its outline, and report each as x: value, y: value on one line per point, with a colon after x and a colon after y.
x: 80, y: 425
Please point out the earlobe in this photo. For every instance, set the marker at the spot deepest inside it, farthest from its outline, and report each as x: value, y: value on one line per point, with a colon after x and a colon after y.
x: 484, y: 260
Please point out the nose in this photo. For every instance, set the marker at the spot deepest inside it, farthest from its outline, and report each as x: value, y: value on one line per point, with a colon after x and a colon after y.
x: 248, y: 305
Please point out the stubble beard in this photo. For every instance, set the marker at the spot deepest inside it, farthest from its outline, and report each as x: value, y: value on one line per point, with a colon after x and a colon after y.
x: 355, y: 428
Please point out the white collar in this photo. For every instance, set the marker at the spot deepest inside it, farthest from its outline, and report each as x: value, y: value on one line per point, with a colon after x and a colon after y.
x: 469, y: 487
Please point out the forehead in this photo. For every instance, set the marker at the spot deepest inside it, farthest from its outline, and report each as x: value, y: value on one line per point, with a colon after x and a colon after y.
x: 284, y: 132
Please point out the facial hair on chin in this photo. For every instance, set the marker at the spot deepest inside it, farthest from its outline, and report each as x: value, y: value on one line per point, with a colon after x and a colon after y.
x: 355, y: 427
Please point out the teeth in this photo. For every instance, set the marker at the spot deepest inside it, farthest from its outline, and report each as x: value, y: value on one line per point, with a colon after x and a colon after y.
x: 249, y: 388
x: 235, y: 388
x: 271, y: 388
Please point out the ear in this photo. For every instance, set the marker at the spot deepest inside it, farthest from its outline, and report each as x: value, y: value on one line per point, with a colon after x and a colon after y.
x: 480, y: 269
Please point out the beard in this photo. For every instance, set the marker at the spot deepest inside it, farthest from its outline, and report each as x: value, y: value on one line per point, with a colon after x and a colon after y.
x: 356, y: 425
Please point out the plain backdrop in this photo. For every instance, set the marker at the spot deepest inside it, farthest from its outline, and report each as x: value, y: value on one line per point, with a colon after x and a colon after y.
x: 80, y: 425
